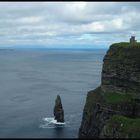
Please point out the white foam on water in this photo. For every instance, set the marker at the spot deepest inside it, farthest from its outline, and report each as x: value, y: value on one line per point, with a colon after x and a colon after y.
x: 50, y: 122
x: 53, y: 121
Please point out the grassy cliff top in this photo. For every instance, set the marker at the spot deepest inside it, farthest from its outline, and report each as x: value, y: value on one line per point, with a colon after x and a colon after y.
x: 126, y: 44
x: 124, y: 51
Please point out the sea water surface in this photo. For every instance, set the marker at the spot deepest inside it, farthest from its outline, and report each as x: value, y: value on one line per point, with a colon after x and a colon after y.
x: 30, y: 80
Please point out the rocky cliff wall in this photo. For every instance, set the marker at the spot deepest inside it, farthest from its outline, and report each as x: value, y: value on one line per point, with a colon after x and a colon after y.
x: 113, y: 109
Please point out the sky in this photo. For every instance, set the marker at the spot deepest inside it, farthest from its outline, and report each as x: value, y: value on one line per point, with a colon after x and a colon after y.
x: 68, y: 24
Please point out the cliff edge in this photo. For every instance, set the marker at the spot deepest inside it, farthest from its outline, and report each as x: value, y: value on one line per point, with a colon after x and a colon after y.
x: 113, y: 109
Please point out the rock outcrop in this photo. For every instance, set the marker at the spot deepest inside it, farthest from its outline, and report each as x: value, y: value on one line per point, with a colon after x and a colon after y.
x: 58, y: 110
x: 113, y: 109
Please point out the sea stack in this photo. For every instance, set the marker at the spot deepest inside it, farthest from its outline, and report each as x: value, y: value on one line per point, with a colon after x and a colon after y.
x: 58, y: 110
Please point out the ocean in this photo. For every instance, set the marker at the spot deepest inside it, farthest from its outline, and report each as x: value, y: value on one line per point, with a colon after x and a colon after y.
x: 30, y: 80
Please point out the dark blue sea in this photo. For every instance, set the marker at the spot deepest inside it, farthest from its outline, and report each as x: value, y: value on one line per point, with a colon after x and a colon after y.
x: 30, y: 80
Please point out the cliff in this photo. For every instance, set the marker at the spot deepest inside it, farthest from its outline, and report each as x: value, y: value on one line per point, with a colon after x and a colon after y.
x: 113, y: 109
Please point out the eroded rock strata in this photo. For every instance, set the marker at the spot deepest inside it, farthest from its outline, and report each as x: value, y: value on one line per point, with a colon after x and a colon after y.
x: 113, y: 109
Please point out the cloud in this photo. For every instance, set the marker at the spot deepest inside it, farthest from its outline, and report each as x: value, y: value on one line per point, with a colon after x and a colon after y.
x: 45, y: 23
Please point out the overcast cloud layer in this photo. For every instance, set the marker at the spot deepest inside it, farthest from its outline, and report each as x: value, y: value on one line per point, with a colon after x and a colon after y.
x: 96, y: 24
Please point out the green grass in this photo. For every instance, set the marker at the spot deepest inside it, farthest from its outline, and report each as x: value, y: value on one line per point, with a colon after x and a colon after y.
x: 126, y: 44
x: 123, y: 51
x: 126, y: 126
x: 116, y: 97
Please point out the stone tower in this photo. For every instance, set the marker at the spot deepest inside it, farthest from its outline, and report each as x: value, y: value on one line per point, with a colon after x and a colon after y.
x: 132, y: 40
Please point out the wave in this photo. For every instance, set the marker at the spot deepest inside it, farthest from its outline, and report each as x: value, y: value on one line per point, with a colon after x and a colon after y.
x: 51, y: 123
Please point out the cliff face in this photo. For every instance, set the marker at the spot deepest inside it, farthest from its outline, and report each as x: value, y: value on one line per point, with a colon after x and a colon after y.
x: 121, y: 69
x: 113, y: 109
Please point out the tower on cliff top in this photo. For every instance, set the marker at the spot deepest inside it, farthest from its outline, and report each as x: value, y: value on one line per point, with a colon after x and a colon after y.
x: 132, y: 40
